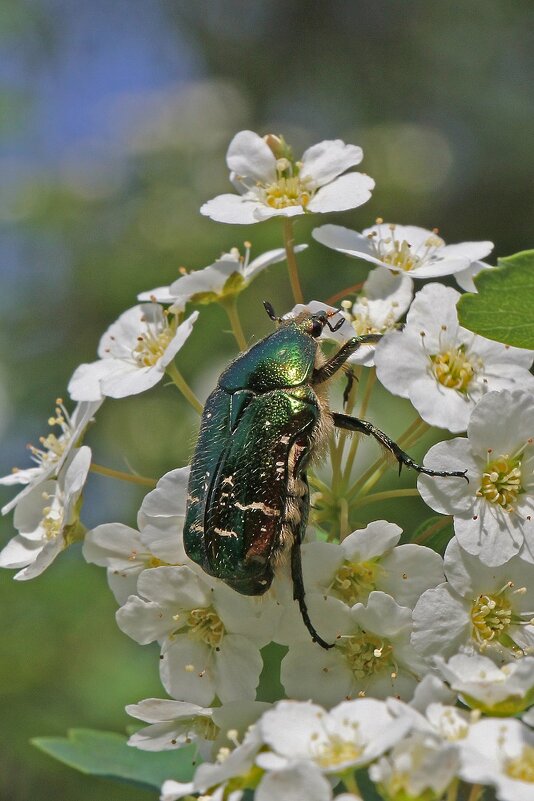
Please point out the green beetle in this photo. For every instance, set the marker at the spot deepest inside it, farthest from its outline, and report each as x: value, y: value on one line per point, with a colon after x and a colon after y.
x: 266, y: 421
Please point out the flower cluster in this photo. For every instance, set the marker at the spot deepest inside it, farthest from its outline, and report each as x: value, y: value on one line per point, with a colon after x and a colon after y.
x: 429, y: 659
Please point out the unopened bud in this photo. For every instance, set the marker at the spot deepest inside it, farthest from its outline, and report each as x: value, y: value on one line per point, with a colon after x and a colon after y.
x: 278, y: 145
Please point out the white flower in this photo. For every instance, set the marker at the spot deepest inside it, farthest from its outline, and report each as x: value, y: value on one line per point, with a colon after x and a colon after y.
x: 121, y: 550
x: 487, y: 609
x: 172, y: 790
x: 176, y: 723
x: 442, y: 368
x: 54, y: 449
x: 134, y: 352
x: 431, y: 690
x: 48, y: 519
x: 173, y: 724
x: 446, y: 722
x: 162, y: 515
x: 500, y: 752
x: 235, y: 764
x: 372, y: 654
x: 505, y: 690
x: 493, y: 513
x: 272, y: 183
x: 383, y: 300
x: 126, y: 552
x: 368, y: 560
x: 228, y: 275
x: 351, y: 735
x: 296, y: 782
x: 420, y: 766
x: 464, y: 278
x: 403, y: 248
x: 211, y: 636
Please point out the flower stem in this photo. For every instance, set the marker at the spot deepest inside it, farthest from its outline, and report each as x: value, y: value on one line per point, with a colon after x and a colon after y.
x: 344, y: 525
x: 452, y: 792
x: 335, y: 460
x: 414, y: 431
x: 476, y: 792
x: 425, y: 535
x: 183, y: 386
x: 289, y: 244
x: 350, y: 290
x: 229, y: 304
x: 122, y: 476
x: 415, y: 435
x: 319, y: 485
x: 384, y: 496
x: 349, y: 780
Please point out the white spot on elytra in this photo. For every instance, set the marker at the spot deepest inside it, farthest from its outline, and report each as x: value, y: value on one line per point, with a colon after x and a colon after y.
x: 222, y: 532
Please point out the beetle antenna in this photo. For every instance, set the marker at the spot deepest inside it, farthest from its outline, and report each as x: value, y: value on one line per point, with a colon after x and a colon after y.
x: 270, y: 311
x: 337, y: 325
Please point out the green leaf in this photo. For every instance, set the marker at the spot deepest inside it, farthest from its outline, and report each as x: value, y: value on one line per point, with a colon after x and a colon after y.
x: 103, y: 753
x: 368, y: 790
x: 270, y: 688
x: 502, y: 309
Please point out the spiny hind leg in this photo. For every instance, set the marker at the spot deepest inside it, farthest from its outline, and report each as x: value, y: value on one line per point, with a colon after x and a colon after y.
x: 403, y: 458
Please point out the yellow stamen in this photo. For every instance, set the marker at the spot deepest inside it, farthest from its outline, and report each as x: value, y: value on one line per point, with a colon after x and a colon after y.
x: 367, y: 654
x: 152, y: 344
x: 287, y: 192
x: 491, y: 616
x: 205, y: 625
x: 337, y: 751
x: 354, y: 581
x: 501, y: 482
x: 522, y: 767
x: 453, y: 369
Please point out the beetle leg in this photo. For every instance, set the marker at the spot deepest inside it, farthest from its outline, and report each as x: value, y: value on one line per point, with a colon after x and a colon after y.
x: 364, y: 427
x: 298, y: 594
x: 338, y: 359
x: 351, y: 378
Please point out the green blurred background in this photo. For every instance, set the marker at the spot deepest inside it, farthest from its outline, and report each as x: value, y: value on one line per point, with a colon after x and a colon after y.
x: 115, y: 117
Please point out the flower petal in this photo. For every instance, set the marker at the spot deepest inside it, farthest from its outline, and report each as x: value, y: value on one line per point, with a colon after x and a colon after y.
x: 85, y: 383
x: 344, y: 240
x: 345, y: 192
x: 474, y: 251
x: 324, y: 161
x: 268, y: 258
x: 238, y: 667
x: 250, y: 156
x: 231, y: 209
x: 294, y: 783
x: 186, y: 670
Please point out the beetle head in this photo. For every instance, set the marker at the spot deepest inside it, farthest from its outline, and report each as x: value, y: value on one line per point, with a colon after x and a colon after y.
x: 317, y: 322
x: 312, y: 324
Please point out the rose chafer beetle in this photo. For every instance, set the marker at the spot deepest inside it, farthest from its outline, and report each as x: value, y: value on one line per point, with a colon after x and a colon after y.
x: 267, y: 420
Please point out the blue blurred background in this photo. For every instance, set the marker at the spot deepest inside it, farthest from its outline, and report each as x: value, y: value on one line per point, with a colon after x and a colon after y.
x: 114, y: 119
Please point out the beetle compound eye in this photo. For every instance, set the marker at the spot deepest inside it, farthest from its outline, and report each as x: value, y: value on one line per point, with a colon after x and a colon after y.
x: 317, y: 328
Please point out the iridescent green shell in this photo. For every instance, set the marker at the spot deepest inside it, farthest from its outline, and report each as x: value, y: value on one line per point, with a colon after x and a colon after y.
x: 255, y: 438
